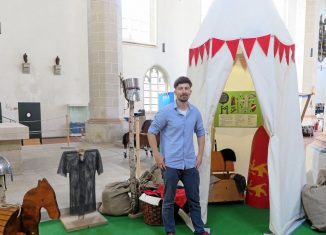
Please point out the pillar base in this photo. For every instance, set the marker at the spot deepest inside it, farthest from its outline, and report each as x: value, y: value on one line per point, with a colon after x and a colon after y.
x: 105, y: 130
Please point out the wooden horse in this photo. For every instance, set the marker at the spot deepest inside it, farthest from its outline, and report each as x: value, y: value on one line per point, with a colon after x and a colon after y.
x: 43, y: 196
x: 142, y: 138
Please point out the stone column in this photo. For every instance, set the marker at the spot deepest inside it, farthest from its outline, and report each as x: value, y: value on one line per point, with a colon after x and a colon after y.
x: 311, y: 47
x: 105, y: 64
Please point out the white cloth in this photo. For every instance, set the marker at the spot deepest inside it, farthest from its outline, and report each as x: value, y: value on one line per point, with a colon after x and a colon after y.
x: 276, y: 87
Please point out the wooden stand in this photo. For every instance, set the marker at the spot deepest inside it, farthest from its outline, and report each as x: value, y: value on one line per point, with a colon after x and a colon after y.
x: 73, y: 223
x: 225, y: 189
x: 35, y: 141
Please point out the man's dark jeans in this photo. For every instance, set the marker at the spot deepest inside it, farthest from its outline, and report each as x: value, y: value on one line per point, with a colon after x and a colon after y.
x: 190, y: 180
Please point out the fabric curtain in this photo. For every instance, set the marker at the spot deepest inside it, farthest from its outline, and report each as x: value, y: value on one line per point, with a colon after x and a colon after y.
x: 276, y: 88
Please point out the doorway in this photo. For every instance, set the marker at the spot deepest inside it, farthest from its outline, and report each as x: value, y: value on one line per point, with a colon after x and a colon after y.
x: 30, y: 115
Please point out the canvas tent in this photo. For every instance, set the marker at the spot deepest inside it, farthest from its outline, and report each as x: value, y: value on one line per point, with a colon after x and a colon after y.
x: 255, y: 27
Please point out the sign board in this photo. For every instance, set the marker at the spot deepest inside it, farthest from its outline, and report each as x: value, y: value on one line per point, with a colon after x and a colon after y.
x: 238, y: 109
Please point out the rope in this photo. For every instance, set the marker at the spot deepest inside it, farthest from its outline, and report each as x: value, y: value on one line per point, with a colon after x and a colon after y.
x: 43, y: 120
x: 147, y: 176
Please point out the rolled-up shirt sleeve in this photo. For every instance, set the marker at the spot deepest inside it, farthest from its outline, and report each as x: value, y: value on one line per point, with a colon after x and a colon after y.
x: 158, y: 123
x: 199, y: 128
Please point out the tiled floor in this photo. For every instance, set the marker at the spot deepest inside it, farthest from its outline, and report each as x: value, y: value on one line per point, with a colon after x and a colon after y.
x: 41, y: 161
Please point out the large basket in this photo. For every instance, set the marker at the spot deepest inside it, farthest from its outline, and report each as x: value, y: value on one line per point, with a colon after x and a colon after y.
x: 152, y: 214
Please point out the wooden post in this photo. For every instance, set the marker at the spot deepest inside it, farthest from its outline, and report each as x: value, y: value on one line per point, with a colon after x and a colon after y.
x: 305, y: 107
x: 137, y: 147
x: 212, y: 138
x: 132, y: 162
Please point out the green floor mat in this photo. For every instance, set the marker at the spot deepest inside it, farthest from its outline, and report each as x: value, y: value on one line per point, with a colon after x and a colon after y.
x: 225, y: 219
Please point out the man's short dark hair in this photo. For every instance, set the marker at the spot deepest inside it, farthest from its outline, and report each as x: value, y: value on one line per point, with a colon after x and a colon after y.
x: 181, y: 80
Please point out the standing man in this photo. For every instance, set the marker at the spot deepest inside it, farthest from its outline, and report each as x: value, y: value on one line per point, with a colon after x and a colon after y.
x: 176, y: 123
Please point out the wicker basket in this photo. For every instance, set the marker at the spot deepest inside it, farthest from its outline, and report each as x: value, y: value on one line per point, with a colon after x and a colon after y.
x: 152, y: 214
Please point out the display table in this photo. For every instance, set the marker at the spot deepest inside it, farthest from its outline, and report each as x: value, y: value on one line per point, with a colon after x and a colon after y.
x: 315, y: 158
x: 11, y: 135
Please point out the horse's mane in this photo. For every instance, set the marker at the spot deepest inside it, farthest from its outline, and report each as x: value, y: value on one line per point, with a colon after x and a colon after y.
x: 146, y: 125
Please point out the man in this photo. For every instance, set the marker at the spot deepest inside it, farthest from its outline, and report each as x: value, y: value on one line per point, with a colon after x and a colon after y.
x: 176, y: 123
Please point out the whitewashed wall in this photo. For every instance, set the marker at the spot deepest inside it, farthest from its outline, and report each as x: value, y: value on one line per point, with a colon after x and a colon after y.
x: 293, y: 13
x: 320, y: 96
x: 44, y: 29
x: 177, y: 25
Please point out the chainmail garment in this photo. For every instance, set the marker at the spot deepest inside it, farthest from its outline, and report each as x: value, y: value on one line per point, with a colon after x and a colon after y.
x: 81, y: 179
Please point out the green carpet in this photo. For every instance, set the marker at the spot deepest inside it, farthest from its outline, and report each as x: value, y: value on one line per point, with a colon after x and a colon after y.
x: 226, y: 219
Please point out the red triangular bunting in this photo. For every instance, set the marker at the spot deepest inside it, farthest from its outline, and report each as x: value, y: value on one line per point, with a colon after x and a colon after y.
x: 196, y: 54
x: 248, y: 44
x: 276, y: 45
x: 264, y: 43
x: 207, y: 46
x: 233, y: 47
x: 201, y: 52
x: 191, y: 55
x: 293, y: 52
x: 281, y: 50
x: 216, y: 45
x: 287, y: 54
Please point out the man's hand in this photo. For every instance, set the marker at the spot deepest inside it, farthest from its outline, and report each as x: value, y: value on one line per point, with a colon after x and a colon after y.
x: 198, y: 161
x: 159, y: 159
x: 201, y: 145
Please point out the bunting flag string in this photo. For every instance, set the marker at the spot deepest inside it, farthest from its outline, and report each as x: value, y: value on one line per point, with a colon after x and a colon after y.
x: 207, y: 46
x: 264, y: 43
x: 196, y: 54
x: 213, y: 46
x: 281, y: 51
x: 248, y: 44
x: 287, y: 54
x: 216, y: 45
x: 293, y: 52
x: 191, y: 55
x: 276, y: 45
x: 201, y: 52
x: 233, y: 47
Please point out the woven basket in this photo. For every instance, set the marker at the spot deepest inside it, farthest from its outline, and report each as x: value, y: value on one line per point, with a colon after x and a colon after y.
x: 152, y: 214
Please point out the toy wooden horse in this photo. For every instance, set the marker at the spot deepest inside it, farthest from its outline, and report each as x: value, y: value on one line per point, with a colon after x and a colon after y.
x: 43, y: 196
x: 143, y: 139
x: 14, y: 221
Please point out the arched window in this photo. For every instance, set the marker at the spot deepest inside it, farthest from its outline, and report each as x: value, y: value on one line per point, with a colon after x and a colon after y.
x: 155, y: 82
x: 139, y: 21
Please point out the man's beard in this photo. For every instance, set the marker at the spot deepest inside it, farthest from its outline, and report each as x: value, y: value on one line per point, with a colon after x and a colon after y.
x: 184, y: 98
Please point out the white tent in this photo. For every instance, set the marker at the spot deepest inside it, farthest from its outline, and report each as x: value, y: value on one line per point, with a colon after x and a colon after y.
x: 255, y: 27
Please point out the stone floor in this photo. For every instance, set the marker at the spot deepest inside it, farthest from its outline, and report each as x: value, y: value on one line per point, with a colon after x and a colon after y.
x: 41, y: 161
